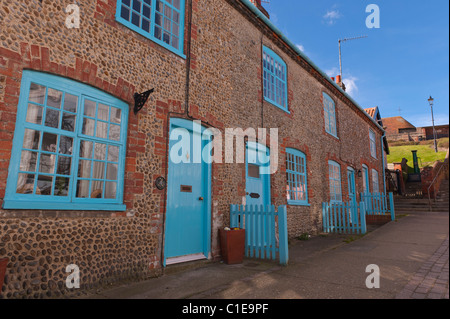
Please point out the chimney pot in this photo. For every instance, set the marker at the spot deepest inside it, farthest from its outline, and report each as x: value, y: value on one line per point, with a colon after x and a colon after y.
x: 338, y: 79
x: 332, y: 79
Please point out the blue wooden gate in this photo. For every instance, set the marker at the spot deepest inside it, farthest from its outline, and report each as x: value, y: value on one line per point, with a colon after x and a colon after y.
x: 379, y: 204
x: 344, y: 218
x: 266, y: 233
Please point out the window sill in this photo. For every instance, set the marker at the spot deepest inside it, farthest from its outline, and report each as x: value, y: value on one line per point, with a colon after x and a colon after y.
x: 332, y: 135
x: 33, y: 205
x: 294, y: 203
x: 278, y: 106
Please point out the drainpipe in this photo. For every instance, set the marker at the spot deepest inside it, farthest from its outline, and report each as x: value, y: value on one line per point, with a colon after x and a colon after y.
x: 382, y: 158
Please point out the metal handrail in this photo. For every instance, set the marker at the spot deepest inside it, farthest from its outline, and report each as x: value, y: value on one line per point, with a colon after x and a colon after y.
x: 434, y: 181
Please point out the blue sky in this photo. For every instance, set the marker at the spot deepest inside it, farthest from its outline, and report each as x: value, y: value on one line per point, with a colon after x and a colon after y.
x: 396, y: 68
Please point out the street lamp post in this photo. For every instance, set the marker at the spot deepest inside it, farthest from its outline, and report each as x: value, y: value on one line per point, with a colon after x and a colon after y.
x: 431, y: 101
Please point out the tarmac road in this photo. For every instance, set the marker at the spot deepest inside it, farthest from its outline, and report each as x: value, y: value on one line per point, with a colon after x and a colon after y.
x: 411, y: 254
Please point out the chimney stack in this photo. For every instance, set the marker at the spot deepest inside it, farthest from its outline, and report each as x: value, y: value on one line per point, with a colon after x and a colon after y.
x: 339, y: 82
x: 257, y: 4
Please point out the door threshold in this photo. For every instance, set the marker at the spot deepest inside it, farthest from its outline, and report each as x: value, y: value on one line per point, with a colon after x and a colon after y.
x: 184, y: 259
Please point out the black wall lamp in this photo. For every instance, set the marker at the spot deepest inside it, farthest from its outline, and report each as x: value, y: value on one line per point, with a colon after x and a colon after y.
x: 359, y: 173
x: 140, y: 99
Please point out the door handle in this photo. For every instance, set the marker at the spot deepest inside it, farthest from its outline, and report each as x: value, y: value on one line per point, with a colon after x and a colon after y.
x: 201, y: 198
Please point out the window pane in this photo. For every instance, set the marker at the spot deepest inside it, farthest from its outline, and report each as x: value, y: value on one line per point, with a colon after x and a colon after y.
x: 100, y: 151
x: 52, y: 118
x: 89, y: 108
x: 135, y: 19
x: 31, y: 139
x: 113, y: 153
x: 54, y: 98
x: 68, y: 122
x: 28, y: 161
x: 102, y: 129
x: 111, y: 171
x: 25, y: 184
x: 99, y: 170
x: 86, y: 149
x: 49, y: 142
x: 114, y: 132
x: 64, y: 165
x: 137, y: 5
x: 145, y: 25
x: 97, y: 189
x: 65, y: 145
x: 146, y: 11
x: 103, y: 112
x: 88, y: 127
x: 116, y: 115
x: 61, y: 186
x: 125, y: 13
x: 82, y: 189
x: 253, y: 171
x: 47, y: 163
x: 44, y: 184
x: 110, y: 190
x: 70, y: 103
x: 37, y: 93
x: 84, y: 169
x: 34, y: 114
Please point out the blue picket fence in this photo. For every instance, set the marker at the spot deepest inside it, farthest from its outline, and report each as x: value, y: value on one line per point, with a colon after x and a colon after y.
x: 379, y: 204
x: 344, y: 218
x: 266, y: 235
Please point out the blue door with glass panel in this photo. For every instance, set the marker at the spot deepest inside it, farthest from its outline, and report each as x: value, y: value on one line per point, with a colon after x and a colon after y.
x: 187, y: 231
x: 257, y: 174
x: 352, y: 192
x: 351, y: 184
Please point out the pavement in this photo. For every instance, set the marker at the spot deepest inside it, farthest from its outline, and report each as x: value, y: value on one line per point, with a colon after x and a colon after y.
x: 411, y: 254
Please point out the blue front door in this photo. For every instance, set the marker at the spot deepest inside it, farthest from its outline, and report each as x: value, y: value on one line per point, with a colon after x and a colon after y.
x: 187, y: 229
x: 257, y: 174
x: 352, y: 193
x: 351, y: 184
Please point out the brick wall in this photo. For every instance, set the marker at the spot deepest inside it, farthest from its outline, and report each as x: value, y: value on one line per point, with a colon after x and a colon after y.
x: 224, y: 92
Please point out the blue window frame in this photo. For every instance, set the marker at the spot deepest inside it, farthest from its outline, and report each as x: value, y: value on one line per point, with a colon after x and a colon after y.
x: 275, y: 79
x: 373, y: 143
x: 366, y: 184
x: 330, y: 115
x: 375, y: 182
x: 334, y: 173
x: 162, y: 21
x: 296, y: 177
x: 68, y: 147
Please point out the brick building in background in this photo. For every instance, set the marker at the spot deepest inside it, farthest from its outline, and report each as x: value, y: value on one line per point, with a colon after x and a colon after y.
x: 399, y: 129
x: 78, y: 167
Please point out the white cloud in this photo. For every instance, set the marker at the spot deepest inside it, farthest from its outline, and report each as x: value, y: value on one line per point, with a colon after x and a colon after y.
x: 349, y: 80
x: 331, y: 16
x: 300, y: 47
x: 350, y: 84
x: 332, y: 72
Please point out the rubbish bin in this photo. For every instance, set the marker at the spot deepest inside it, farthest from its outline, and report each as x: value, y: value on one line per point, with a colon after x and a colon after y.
x: 3, y: 264
x: 232, y: 244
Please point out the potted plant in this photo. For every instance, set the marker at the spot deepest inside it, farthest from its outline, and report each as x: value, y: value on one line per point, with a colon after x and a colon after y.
x: 232, y: 244
x: 3, y: 264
